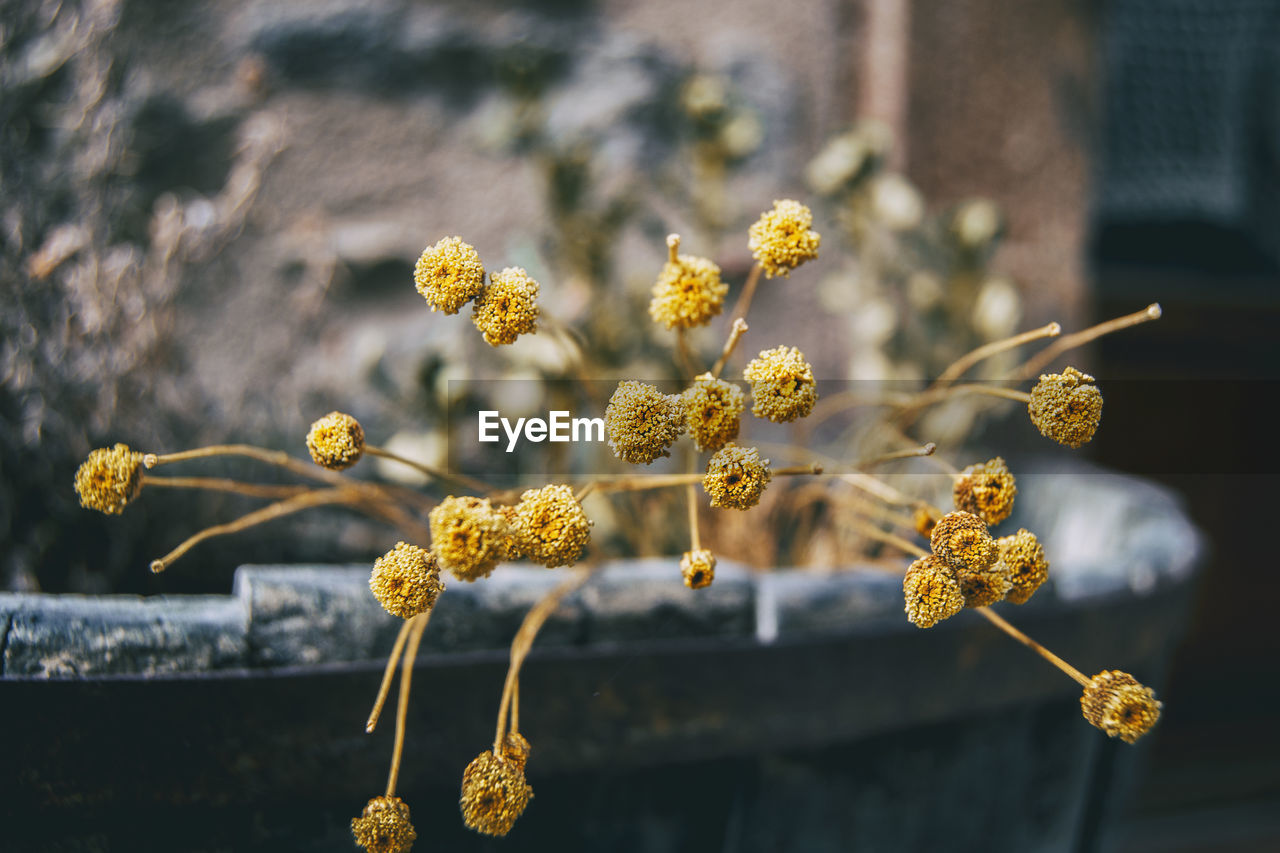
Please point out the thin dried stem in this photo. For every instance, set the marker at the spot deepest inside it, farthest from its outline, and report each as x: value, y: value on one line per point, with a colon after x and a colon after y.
x: 873, y: 532
x: 272, y: 457
x: 925, y: 449
x: 268, y: 513
x: 515, y: 706
x: 433, y: 472
x: 1045, y: 357
x: 748, y: 293
x: 957, y: 369
x: 736, y: 331
x: 999, y: 622
x: 879, y: 489
x: 584, y: 491
x: 684, y: 354
x: 402, y: 706
x: 695, y: 542
x: 221, y: 484
x: 385, y: 687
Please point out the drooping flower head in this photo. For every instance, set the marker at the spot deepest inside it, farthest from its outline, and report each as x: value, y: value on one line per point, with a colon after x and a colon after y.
x: 987, y: 490
x: 981, y: 587
x: 1066, y: 407
x: 736, y: 477
x: 642, y: 422
x: 109, y: 478
x: 698, y: 568
x: 494, y: 794
x: 782, y: 384
x: 712, y: 411
x: 449, y: 275
x: 688, y: 291
x: 782, y: 239
x: 962, y: 541
x: 1118, y: 704
x: 468, y: 536
x: 931, y: 592
x: 551, y: 527
x: 507, y: 308
x: 384, y: 826
x: 336, y: 441
x: 1023, y: 555
x: 406, y: 580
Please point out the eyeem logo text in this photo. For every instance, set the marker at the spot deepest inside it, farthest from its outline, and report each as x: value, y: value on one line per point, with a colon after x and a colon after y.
x: 557, y: 427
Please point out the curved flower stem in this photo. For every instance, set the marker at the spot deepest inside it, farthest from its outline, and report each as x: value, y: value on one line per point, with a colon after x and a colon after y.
x: 748, y: 293
x: 220, y: 484
x: 272, y: 457
x: 385, y: 687
x: 735, y: 332
x: 402, y: 706
x: 957, y: 368
x: 432, y: 472
x: 1045, y: 357
x: 684, y: 354
x: 997, y: 620
x: 873, y: 532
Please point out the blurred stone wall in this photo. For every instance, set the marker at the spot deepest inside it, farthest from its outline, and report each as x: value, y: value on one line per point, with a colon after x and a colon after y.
x: 211, y: 212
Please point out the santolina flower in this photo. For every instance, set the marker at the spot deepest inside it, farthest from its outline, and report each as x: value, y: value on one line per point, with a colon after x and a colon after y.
x: 494, y: 794
x: 962, y: 541
x: 712, y: 411
x: 782, y: 384
x: 736, y: 477
x: 698, y: 568
x: 406, y: 580
x: 981, y: 587
x: 931, y: 592
x: 336, y: 441
x: 507, y: 308
x: 987, y: 490
x: 1115, y: 702
x: 781, y: 239
x: 467, y: 536
x: 449, y: 275
x: 642, y: 422
x: 688, y: 291
x: 1023, y: 555
x: 1066, y: 407
x: 109, y: 478
x: 551, y: 527
x: 384, y: 826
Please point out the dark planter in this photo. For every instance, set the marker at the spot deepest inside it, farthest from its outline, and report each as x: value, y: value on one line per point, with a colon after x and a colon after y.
x: 773, y: 712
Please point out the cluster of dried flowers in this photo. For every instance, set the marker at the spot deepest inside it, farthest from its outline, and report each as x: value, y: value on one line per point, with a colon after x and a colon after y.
x: 469, y: 533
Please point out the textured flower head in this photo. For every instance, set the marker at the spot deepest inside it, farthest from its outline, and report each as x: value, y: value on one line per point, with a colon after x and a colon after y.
x: 962, y: 541
x: 981, y: 587
x: 698, y: 568
x: 1023, y: 555
x: 109, y: 478
x: 642, y: 422
x: 931, y: 592
x: 782, y: 385
x: 1115, y: 702
x: 406, y: 580
x: 336, y: 441
x: 468, y: 536
x: 494, y: 794
x: 449, y: 274
x: 712, y: 411
x: 1066, y: 407
x: 551, y: 527
x: 736, y: 477
x: 781, y: 239
x: 507, y: 308
x: 688, y: 291
x: 384, y: 826
x: 987, y: 490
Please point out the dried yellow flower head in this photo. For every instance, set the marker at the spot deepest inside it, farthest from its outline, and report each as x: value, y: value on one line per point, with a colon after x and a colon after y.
x: 468, y: 536
x: 109, y: 478
x: 736, y: 477
x: 507, y: 308
x: 1118, y: 704
x: 449, y: 274
x: 782, y: 385
x: 962, y: 541
x: 406, y: 580
x: 516, y: 749
x: 1066, y: 407
x: 336, y: 441
x: 494, y: 794
x: 551, y: 526
x: 712, y: 411
x: 512, y: 544
x: 642, y: 422
x: 1023, y: 555
x: 931, y: 592
x: 384, y: 826
x: 698, y: 568
x: 781, y: 239
x: 688, y: 291
x: 987, y: 490
x: 925, y: 519
x: 981, y: 587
